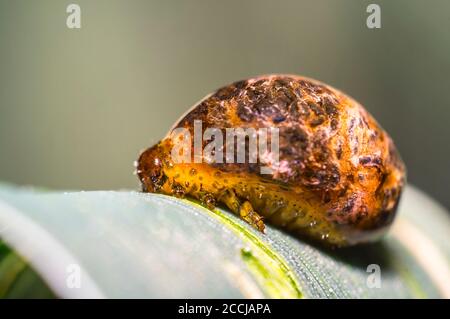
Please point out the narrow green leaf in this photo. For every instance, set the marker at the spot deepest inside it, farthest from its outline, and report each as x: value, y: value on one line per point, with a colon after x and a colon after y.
x: 129, y: 244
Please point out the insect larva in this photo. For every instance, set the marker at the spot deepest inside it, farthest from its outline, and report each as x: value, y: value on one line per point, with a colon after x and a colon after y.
x: 338, y: 179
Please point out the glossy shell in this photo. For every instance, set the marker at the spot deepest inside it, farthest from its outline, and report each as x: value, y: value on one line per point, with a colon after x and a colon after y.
x: 339, y: 176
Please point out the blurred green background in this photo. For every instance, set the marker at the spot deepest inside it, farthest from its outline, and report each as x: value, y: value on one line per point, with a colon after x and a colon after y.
x: 77, y: 106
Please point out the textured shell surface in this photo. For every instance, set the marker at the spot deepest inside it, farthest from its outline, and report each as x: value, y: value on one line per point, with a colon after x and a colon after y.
x: 339, y: 176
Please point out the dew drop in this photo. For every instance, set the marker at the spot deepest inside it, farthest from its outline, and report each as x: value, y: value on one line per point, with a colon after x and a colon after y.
x: 301, y: 214
x: 280, y: 203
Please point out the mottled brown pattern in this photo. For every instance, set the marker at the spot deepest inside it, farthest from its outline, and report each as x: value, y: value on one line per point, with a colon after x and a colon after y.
x: 340, y: 176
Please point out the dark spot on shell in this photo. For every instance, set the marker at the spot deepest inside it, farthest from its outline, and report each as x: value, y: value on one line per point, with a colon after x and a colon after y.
x: 376, y: 160
x: 279, y: 119
x: 281, y: 83
x: 226, y: 93
x: 198, y: 113
x: 342, y: 192
x: 315, y: 108
x: 364, y: 160
x: 334, y: 124
x: 295, y: 138
x: 331, y: 110
x: 320, y: 178
x: 370, y: 160
x: 240, y: 84
x: 335, y: 175
x: 317, y: 121
x: 244, y: 112
x: 384, y: 218
x: 349, y: 204
x: 326, y: 197
x: 339, y: 151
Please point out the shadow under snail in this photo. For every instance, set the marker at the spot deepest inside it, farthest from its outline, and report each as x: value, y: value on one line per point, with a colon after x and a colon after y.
x: 338, y: 178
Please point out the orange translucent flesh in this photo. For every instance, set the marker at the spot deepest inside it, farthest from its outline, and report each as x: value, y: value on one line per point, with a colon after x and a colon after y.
x: 280, y: 205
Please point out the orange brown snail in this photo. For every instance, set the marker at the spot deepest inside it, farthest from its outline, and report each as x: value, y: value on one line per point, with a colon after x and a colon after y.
x: 339, y: 176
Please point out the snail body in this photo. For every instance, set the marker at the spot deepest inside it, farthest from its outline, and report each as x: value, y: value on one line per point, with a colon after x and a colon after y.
x: 338, y: 178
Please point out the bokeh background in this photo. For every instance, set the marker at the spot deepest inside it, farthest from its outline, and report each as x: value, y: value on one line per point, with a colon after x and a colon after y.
x: 77, y: 106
